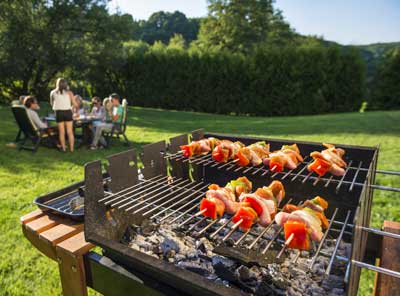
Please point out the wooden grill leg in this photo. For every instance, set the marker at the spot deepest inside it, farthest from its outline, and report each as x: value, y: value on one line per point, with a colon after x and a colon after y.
x: 71, y: 265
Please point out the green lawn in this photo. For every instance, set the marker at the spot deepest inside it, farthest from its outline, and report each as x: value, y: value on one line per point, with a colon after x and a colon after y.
x: 23, y: 175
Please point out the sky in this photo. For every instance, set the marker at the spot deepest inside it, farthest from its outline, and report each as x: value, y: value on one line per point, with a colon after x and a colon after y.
x: 343, y: 21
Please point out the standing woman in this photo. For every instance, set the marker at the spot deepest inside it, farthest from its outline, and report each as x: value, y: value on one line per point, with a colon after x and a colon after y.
x: 62, y: 99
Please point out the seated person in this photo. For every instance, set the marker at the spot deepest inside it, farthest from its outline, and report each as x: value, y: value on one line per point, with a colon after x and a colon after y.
x: 32, y: 106
x: 78, y: 110
x: 115, y: 114
x: 98, y: 109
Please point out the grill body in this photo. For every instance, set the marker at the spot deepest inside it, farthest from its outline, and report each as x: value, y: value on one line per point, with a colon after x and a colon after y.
x: 105, y: 226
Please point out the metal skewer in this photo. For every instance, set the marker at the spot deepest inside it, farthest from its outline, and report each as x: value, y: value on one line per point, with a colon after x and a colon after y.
x: 234, y: 227
x: 287, y: 242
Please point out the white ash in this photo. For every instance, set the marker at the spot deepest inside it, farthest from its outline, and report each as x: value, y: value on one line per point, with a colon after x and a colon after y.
x: 196, y: 254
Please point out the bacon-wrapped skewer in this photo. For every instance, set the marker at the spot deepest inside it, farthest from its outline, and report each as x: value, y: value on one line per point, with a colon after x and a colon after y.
x: 202, y: 146
x: 288, y: 156
x: 254, y: 154
x: 226, y: 150
x: 220, y: 199
x: 302, y: 223
x: 328, y: 160
x: 260, y: 206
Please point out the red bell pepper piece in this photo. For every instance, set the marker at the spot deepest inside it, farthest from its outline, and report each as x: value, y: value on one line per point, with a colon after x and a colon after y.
x: 320, y: 166
x: 276, y: 164
x: 248, y: 215
x: 187, y: 150
x: 253, y: 204
x: 301, y: 238
x: 214, y: 207
x: 242, y: 159
x: 219, y: 154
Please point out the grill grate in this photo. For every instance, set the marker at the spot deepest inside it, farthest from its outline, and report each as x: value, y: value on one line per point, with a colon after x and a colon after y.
x: 353, y: 174
x: 178, y: 202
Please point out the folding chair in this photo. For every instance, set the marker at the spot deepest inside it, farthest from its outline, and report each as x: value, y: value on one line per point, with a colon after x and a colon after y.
x: 30, y: 131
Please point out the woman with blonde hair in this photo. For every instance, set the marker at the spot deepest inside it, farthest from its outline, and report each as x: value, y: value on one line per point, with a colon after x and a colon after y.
x: 62, y: 100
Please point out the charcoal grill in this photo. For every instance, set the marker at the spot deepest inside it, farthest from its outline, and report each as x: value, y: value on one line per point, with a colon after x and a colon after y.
x: 169, y: 189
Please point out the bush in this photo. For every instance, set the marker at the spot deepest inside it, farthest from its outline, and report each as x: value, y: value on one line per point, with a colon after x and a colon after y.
x: 271, y: 81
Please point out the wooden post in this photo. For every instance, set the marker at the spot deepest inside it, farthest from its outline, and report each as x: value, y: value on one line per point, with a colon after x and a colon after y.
x: 390, y: 259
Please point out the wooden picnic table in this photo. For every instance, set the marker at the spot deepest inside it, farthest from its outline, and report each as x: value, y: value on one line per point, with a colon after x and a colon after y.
x: 63, y: 241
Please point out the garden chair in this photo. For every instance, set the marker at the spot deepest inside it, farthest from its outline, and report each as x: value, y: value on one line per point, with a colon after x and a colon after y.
x: 31, y: 132
x: 119, y: 129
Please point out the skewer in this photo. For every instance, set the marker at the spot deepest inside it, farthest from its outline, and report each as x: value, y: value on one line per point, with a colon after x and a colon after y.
x: 192, y: 217
x: 208, y: 226
x: 306, y: 177
x: 242, y: 237
x: 234, y: 227
x: 195, y: 224
x: 323, y: 239
x: 257, y: 170
x: 316, y: 180
x: 287, y: 242
x: 263, y: 232
x: 328, y: 269
x: 329, y: 181
x: 220, y: 228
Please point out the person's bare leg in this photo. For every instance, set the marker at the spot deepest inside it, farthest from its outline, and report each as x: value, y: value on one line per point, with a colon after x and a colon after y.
x: 61, y: 134
x: 70, y: 132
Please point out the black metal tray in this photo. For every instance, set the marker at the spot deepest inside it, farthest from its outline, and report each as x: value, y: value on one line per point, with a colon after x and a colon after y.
x: 59, y: 201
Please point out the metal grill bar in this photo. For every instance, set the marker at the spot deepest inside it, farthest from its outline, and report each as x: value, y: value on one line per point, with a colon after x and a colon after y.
x: 323, y: 239
x: 176, y: 210
x: 386, y: 271
x: 129, y: 199
x: 299, y: 172
x: 341, y: 180
x: 156, y: 178
x: 355, y: 176
x: 328, y: 269
x: 175, y: 198
x: 192, y: 185
x: 184, y: 213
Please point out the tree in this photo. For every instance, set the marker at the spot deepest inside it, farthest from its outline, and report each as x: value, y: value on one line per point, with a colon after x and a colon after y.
x: 238, y: 26
x: 386, y: 84
x: 161, y: 26
x: 41, y: 39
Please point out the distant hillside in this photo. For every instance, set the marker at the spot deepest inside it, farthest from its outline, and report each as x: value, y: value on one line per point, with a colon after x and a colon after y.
x: 374, y: 53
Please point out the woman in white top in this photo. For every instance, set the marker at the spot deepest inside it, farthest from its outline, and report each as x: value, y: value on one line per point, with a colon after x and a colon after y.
x: 62, y: 99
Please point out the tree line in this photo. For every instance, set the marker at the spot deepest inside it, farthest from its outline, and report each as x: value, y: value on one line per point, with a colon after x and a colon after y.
x: 243, y: 58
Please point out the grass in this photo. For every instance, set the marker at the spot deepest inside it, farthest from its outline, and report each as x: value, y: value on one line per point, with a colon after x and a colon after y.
x: 23, y: 175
